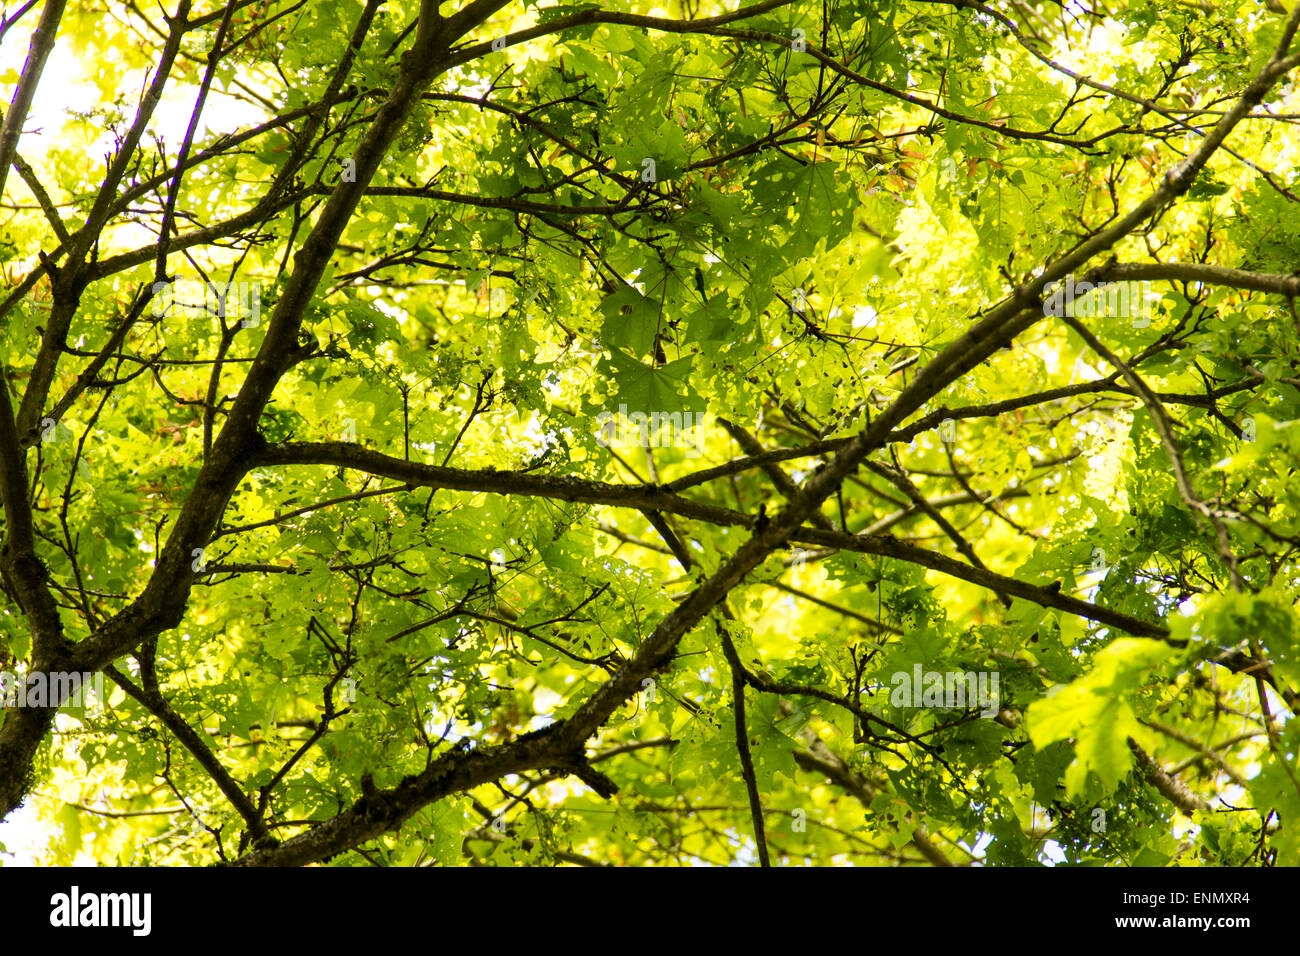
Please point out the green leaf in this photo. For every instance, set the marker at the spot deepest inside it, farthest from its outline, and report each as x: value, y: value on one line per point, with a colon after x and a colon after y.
x: 631, y: 320
x: 1096, y: 712
x: 646, y: 389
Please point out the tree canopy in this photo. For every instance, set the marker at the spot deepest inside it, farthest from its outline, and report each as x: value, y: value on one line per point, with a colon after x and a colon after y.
x: 675, y: 433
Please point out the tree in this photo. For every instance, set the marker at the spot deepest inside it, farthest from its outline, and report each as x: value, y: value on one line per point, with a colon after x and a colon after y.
x: 795, y: 433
